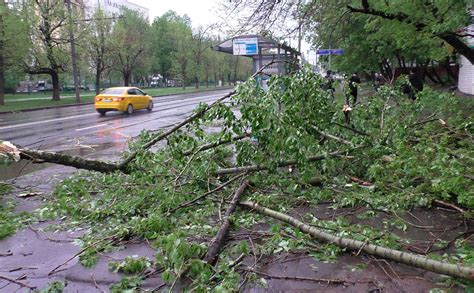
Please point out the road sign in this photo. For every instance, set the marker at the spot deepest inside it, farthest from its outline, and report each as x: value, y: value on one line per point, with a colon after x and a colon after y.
x: 247, y: 46
x: 330, y: 52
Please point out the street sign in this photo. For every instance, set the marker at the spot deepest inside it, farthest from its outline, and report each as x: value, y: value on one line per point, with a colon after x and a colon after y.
x: 247, y: 46
x: 330, y: 52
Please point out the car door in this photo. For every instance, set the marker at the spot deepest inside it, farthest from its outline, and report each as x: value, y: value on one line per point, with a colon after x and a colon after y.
x: 143, y: 98
x: 134, y: 98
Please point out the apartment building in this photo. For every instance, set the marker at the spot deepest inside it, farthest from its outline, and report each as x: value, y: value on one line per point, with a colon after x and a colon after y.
x: 113, y: 7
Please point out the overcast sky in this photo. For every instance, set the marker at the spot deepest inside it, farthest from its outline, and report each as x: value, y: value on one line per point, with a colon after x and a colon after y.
x: 201, y: 12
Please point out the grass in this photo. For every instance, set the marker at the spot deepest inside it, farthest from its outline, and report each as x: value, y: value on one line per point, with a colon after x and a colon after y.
x: 18, y: 102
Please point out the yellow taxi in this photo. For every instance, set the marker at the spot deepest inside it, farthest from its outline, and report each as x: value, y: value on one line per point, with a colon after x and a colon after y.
x: 125, y: 99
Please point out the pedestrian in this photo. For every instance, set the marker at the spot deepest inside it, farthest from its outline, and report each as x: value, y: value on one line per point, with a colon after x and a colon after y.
x: 379, y: 81
x: 353, y: 86
x: 329, y: 84
x: 416, y: 84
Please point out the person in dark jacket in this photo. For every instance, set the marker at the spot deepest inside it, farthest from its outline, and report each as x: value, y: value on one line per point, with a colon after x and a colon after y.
x: 416, y: 84
x: 329, y: 84
x: 353, y: 82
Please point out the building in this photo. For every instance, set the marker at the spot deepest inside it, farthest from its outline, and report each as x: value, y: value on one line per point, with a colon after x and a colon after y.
x: 113, y: 7
x: 466, y: 69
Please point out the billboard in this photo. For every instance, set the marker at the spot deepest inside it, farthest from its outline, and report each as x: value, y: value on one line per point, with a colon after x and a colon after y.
x: 247, y: 46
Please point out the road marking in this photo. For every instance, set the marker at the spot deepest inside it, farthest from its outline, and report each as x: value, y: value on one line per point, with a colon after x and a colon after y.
x: 166, y: 103
x: 46, y: 121
x: 100, y: 125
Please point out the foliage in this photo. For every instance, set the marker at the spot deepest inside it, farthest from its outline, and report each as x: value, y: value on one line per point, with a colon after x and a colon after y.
x: 396, y: 43
x: 411, y: 151
x: 54, y: 287
x: 130, y: 265
x: 126, y: 284
x: 9, y: 219
x: 129, y: 40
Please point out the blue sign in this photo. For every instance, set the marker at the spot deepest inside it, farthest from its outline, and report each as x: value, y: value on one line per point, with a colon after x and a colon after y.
x: 337, y: 51
x: 250, y: 49
x: 245, y: 46
x: 330, y: 52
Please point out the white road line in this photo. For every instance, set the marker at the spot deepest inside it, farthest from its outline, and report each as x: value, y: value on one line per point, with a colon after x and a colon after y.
x: 46, y: 121
x: 100, y: 125
x: 158, y: 104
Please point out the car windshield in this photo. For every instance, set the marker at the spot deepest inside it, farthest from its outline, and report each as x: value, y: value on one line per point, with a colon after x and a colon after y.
x: 112, y: 92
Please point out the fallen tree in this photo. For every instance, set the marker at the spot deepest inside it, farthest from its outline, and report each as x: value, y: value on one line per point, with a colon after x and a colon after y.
x: 418, y: 261
x: 172, y: 195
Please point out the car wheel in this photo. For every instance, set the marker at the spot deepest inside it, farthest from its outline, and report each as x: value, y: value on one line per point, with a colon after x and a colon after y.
x: 150, y: 106
x: 129, y: 109
x: 101, y: 112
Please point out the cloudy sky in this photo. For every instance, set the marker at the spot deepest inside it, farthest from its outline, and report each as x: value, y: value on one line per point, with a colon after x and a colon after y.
x: 201, y: 12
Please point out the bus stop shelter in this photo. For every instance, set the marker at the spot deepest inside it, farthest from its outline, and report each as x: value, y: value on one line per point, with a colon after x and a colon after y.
x: 263, y: 51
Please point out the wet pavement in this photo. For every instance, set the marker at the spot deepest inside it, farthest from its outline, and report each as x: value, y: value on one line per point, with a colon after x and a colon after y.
x: 80, y: 130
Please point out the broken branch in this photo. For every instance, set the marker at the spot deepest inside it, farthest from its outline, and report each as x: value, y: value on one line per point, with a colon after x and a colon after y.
x: 190, y: 202
x: 164, y: 135
x: 458, y: 271
x: 218, y: 241
x: 217, y: 143
x: 17, y: 282
x: 67, y: 160
x: 333, y: 137
x: 256, y: 168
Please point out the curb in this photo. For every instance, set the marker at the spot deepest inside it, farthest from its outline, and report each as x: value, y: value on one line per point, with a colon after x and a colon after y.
x: 91, y: 103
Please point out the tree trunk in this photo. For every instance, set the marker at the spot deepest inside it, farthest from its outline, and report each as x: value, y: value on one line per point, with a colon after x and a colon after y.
x: 436, y: 73
x: 217, y: 242
x: 66, y: 160
x: 97, y: 80
x: 55, y: 78
x: 126, y: 78
x: 236, y: 66
x: 2, y: 50
x: 461, y: 47
x: 454, y: 270
x: 425, y: 69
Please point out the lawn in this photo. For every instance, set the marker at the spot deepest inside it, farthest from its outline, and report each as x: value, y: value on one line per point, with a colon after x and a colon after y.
x: 18, y: 102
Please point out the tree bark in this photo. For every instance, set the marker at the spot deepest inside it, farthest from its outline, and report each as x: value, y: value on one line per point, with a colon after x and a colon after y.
x: 126, y: 78
x: 217, y: 242
x: 453, y: 270
x: 55, y: 79
x: 97, y: 80
x: 66, y: 160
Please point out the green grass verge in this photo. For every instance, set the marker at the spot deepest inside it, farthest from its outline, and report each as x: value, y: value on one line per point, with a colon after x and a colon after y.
x: 18, y: 102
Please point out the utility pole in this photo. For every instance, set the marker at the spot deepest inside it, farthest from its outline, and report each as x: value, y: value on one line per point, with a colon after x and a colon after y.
x: 75, y: 72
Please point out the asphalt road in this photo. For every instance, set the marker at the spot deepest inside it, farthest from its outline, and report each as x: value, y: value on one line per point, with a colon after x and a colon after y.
x: 80, y: 129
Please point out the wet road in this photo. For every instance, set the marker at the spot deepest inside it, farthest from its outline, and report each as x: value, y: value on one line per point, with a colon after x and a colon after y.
x: 79, y: 129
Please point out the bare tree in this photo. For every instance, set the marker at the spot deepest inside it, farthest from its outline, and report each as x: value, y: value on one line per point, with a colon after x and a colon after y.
x: 49, y: 55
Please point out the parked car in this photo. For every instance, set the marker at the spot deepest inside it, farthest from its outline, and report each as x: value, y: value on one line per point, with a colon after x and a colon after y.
x: 125, y: 99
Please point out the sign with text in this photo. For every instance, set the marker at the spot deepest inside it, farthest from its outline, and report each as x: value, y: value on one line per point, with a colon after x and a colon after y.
x: 330, y: 52
x: 247, y: 46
